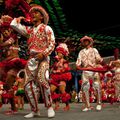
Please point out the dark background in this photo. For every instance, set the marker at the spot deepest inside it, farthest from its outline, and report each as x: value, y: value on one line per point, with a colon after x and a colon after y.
x: 82, y: 16
x: 100, y: 17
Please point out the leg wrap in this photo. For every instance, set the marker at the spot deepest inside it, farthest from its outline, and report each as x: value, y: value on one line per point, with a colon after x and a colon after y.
x: 43, y: 77
x: 43, y: 74
x: 96, y: 86
x: 47, y: 97
x: 32, y: 94
x: 85, y: 89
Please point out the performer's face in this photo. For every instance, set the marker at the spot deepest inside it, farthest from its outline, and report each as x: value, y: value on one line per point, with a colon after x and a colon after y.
x: 36, y: 17
x: 86, y: 43
x: 60, y: 55
x: 6, y: 32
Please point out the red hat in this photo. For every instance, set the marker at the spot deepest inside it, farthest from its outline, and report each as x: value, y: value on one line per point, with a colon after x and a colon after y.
x: 62, y: 48
x: 41, y: 10
x: 5, y: 22
x: 86, y: 38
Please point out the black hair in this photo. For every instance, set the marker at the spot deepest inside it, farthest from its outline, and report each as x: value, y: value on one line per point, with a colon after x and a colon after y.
x: 22, y: 74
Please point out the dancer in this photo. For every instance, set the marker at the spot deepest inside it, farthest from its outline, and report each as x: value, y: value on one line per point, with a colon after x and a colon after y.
x: 60, y: 74
x: 10, y: 62
x: 41, y: 43
x: 20, y: 80
x: 115, y: 68
x: 89, y: 58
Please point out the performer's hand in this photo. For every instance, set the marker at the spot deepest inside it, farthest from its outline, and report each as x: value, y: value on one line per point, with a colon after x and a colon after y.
x: 40, y: 56
x: 78, y: 67
x: 19, y: 19
x: 5, y: 18
x: 56, y: 71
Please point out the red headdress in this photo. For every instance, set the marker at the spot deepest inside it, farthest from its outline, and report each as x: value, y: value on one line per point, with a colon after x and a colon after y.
x: 62, y: 48
x: 17, y: 63
x: 5, y: 22
x: 42, y: 11
x: 11, y: 5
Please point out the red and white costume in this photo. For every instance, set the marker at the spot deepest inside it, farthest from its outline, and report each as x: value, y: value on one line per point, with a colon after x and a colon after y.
x: 40, y: 40
x: 88, y: 58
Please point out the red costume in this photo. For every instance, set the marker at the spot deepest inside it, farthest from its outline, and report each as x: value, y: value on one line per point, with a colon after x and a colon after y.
x: 10, y: 63
x: 17, y: 6
x: 60, y: 75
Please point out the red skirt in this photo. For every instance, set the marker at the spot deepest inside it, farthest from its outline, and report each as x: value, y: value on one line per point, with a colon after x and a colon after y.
x: 61, y: 77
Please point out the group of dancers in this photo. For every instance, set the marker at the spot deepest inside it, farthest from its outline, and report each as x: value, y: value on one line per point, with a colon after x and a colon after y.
x: 34, y: 77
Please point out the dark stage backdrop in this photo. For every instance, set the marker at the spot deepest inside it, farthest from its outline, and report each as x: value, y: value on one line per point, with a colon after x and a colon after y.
x: 72, y: 19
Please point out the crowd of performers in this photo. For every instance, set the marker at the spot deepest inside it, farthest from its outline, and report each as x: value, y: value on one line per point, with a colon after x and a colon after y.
x: 99, y: 80
x: 19, y: 78
x: 10, y: 63
x: 33, y: 80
